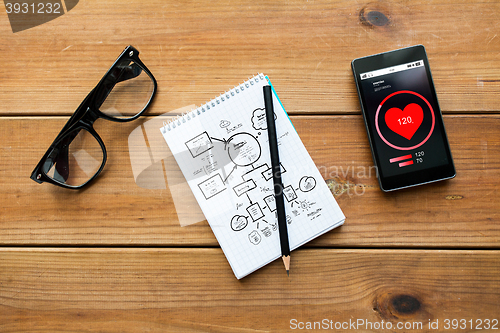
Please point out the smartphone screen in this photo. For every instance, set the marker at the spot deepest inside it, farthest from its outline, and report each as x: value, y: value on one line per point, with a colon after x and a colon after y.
x: 403, y: 118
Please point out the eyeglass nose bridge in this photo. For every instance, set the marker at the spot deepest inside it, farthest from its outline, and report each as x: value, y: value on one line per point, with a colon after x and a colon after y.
x: 89, y: 117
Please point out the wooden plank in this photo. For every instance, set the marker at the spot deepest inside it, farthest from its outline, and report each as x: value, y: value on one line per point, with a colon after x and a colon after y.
x: 462, y: 212
x: 198, y: 49
x: 159, y: 290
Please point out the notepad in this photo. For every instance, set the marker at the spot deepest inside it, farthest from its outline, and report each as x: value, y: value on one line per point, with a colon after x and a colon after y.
x: 222, y: 150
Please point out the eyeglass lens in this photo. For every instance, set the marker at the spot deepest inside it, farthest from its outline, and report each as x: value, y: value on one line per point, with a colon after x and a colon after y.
x: 75, y: 159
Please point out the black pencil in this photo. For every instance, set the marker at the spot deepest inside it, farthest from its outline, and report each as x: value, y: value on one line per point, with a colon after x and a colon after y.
x: 278, y: 185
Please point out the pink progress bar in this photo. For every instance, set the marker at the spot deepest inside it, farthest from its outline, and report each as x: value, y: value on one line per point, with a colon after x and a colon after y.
x: 397, y: 159
x: 405, y: 163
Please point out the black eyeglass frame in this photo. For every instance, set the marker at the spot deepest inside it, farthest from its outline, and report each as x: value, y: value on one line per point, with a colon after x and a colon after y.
x: 88, y: 112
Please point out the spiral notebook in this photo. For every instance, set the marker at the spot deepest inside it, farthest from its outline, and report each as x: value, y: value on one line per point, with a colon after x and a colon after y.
x: 222, y: 150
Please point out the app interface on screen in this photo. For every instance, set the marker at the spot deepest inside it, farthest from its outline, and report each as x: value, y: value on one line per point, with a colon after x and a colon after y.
x: 404, y: 118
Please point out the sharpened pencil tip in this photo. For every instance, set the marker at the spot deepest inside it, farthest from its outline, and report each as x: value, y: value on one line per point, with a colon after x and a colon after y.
x: 286, y: 261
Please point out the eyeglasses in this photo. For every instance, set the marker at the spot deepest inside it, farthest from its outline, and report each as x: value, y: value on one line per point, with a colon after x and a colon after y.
x: 78, y: 154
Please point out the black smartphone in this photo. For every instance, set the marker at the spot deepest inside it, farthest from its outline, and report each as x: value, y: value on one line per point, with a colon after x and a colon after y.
x: 403, y: 119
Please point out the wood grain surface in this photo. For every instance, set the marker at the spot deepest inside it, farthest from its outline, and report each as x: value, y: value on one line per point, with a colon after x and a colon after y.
x: 165, y: 290
x: 114, y: 257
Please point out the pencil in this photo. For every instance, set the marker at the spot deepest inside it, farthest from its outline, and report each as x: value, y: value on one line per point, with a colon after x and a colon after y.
x: 278, y: 185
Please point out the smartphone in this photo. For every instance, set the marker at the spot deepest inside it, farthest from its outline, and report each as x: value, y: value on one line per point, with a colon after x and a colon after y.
x: 403, y: 119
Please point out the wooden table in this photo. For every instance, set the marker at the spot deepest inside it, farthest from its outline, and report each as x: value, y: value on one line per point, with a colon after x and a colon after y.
x: 113, y: 258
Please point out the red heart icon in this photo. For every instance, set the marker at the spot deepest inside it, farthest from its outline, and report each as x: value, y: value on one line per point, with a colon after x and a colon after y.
x: 405, y: 122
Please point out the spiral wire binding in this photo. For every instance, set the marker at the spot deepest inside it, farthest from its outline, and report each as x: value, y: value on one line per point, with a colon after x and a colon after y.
x: 181, y: 119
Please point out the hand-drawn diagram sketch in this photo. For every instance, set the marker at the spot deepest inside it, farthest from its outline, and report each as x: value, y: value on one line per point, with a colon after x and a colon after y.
x: 199, y: 144
x: 235, y: 163
x: 239, y: 222
x: 212, y: 186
